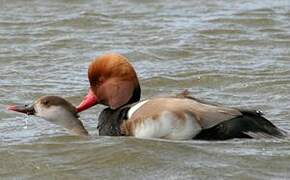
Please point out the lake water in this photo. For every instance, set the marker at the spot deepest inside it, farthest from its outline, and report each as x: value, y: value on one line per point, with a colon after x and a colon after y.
x: 232, y: 52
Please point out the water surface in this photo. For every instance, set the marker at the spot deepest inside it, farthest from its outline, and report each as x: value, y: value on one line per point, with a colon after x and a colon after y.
x: 235, y: 53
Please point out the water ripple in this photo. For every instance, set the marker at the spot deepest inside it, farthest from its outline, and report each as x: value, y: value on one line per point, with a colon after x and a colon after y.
x: 234, y: 53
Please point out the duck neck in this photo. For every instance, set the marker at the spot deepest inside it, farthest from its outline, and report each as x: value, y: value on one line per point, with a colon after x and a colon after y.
x: 136, y: 95
x: 110, y: 120
x: 77, y: 128
x: 80, y: 131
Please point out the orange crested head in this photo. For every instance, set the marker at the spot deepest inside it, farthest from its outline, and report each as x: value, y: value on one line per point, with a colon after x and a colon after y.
x: 113, y: 82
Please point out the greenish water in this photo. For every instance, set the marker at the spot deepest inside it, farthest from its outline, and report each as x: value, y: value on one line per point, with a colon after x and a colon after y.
x: 235, y: 53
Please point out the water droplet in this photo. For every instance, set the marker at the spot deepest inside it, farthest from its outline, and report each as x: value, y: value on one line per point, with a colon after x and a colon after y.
x: 26, y: 122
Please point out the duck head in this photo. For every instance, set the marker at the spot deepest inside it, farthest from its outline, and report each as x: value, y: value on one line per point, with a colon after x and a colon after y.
x: 55, y: 110
x: 113, y: 82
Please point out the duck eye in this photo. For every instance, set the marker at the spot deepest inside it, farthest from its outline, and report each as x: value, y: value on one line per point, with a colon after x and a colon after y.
x: 45, y: 102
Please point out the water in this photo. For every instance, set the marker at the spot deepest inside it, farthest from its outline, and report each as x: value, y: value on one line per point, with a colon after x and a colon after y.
x: 235, y: 53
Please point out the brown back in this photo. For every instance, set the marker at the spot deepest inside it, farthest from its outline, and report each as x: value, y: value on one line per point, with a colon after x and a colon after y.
x: 207, y: 115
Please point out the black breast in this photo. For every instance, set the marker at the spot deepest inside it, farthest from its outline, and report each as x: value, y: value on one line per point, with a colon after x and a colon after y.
x: 110, y: 121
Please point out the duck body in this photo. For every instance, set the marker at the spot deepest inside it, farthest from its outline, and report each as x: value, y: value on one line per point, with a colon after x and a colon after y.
x: 184, y: 118
x: 114, y: 83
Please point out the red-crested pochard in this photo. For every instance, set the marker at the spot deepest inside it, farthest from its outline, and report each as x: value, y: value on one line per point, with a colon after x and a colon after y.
x: 114, y: 83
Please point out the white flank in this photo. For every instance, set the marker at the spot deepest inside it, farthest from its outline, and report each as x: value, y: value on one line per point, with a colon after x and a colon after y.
x: 135, y: 108
x: 168, y: 126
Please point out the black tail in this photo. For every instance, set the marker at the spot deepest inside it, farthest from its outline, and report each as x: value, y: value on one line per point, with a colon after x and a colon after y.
x: 251, y: 124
